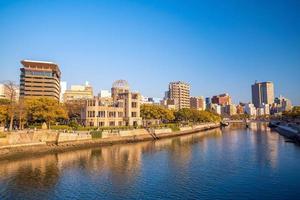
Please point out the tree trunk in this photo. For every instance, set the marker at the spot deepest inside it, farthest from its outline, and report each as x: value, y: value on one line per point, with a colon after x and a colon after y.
x: 11, y: 122
x: 20, y: 122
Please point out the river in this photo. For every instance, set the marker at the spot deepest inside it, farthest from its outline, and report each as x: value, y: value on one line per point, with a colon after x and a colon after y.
x: 232, y: 163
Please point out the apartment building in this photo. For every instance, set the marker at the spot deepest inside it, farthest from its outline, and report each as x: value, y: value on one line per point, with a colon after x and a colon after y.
x: 180, y: 92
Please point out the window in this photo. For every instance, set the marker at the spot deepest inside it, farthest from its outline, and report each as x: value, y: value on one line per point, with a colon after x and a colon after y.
x: 101, y: 123
x: 112, y: 114
x: 133, y: 114
x: 91, y: 113
x: 120, y: 123
x: 120, y: 104
x: 101, y: 114
x: 133, y: 104
x: 120, y: 114
x: 111, y: 123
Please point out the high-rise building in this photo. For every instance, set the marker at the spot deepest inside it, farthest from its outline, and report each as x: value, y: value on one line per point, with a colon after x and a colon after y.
x: 262, y: 93
x: 63, y: 88
x: 222, y: 99
x: 78, y: 92
x: 180, y: 92
x: 207, y: 101
x: 40, y: 79
x: 197, y: 103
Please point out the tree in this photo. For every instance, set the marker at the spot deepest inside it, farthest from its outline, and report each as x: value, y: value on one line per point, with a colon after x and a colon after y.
x: 150, y: 111
x: 184, y: 115
x: 44, y: 109
x: 21, y: 113
x: 10, y: 90
x: 74, y: 109
x: 192, y: 115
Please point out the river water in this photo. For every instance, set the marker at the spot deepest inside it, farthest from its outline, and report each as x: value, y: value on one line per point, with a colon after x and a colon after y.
x: 232, y: 163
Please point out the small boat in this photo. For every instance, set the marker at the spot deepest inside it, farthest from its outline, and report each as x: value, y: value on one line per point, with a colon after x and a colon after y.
x: 224, y: 123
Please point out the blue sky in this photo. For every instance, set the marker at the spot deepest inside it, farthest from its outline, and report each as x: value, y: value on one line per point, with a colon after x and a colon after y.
x: 216, y: 46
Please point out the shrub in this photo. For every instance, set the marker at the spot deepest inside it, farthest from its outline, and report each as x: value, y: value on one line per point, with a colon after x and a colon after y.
x: 96, y: 134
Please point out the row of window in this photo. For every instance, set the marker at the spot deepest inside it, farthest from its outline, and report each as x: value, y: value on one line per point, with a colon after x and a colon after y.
x: 110, y: 114
x: 38, y: 73
x: 111, y: 123
x: 119, y: 105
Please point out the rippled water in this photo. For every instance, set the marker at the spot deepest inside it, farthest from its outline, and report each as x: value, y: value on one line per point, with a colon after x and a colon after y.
x: 234, y: 163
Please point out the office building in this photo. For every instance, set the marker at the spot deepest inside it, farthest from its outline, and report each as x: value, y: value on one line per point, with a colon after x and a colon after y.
x: 180, y: 92
x: 78, y: 92
x: 207, y: 100
x: 40, y: 79
x: 262, y: 93
x: 283, y: 104
x: 63, y: 88
x: 229, y: 110
x: 263, y: 110
x: 250, y: 109
x: 215, y: 108
x: 240, y: 109
x: 104, y: 93
x: 222, y: 99
x: 197, y: 103
x: 171, y: 104
x: 121, y: 109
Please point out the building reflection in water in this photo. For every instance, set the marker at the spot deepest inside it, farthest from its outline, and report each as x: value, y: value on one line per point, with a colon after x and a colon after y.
x: 264, y: 143
x: 122, y: 164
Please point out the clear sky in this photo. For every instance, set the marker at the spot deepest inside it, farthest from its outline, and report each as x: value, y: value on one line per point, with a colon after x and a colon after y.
x: 216, y: 46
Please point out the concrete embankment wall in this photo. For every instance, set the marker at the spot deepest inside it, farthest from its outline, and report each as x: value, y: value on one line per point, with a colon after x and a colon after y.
x: 41, y: 137
x: 45, y: 142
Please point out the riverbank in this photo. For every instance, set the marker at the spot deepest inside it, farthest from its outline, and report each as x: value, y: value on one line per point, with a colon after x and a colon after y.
x: 31, y: 149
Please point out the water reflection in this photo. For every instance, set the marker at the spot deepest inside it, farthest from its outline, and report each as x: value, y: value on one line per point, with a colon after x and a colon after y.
x: 116, y: 171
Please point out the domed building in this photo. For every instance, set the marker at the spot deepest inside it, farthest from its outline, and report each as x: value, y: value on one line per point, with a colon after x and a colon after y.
x: 121, y: 109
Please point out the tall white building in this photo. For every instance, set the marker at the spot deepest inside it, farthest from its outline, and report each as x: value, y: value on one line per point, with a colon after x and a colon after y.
x: 263, y: 110
x: 63, y: 88
x: 250, y: 109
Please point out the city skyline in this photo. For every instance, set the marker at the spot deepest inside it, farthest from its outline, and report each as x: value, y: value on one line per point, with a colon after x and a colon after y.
x: 214, y: 52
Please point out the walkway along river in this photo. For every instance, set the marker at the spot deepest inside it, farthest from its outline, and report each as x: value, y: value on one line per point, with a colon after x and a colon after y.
x: 229, y: 163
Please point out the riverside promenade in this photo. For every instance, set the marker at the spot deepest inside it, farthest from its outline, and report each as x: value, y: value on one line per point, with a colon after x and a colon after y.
x: 40, y: 142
